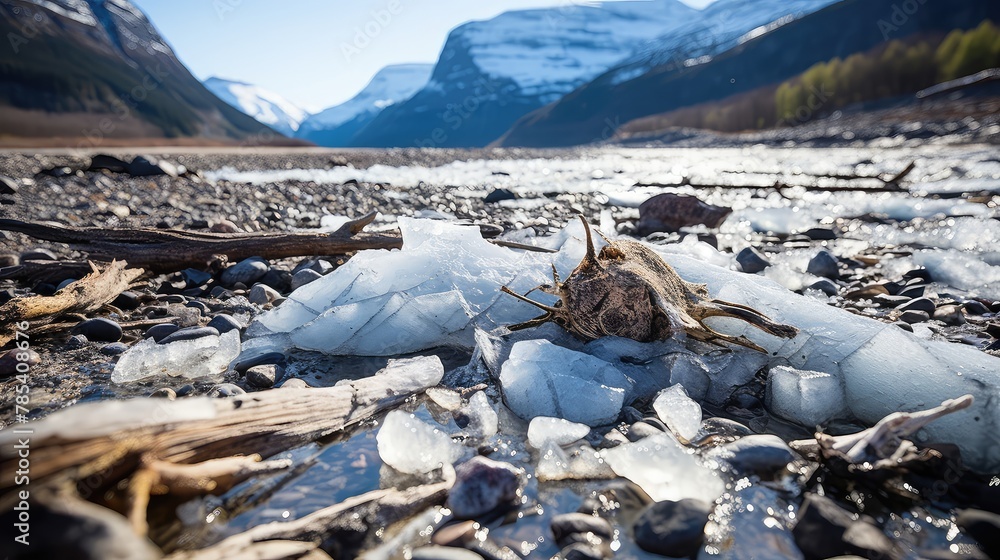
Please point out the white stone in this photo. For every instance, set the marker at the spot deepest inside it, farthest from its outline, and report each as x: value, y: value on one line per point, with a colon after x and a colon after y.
x: 678, y: 411
x: 410, y: 445
x: 191, y: 359
x: 664, y: 469
x: 559, y: 431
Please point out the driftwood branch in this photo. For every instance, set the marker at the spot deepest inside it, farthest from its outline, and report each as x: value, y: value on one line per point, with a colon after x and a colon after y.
x: 83, y: 296
x: 162, y: 251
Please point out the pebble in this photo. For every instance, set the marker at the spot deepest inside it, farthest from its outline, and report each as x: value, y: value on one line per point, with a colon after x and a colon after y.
x: 242, y: 365
x: 200, y: 306
x: 824, y: 264
x: 159, y: 332
x: 751, y: 261
x: 904, y: 325
x: 321, y: 266
x: 65, y: 283
x: 264, y: 376
x: 280, y: 280
x: 224, y: 226
x: 185, y: 390
x: 820, y: 234
x: 9, y: 361
x: 913, y: 292
x: 164, y: 393
x: 295, y: 383
x: 114, y: 349
x: 45, y: 289
x: 672, y: 528
x: 8, y: 259
x: 918, y: 273
x: 224, y: 323
x: 496, y: 195
x: 99, y: 330
x: 245, y: 272
x: 188, y: 333
x: 262, y: 294
x: 993, y: 329
x: 919, y: 304
x: 38, y: 255
x: 76, y: 341
x: 826, y: 529
x: 303, y: 277
x: 915, y: 317
x: 126, y: 301
x: 826, y: 286
x: 582, y: 551
x: 434, y: 552
x: 574, y: 527
x: 7, y: 185
x: 481, y: 486
x: 194, y: 277
x: 973, y: 307
x: 760, y: 453
x: 6, y: 295
x: 224, y: 390
x: 949, y: 315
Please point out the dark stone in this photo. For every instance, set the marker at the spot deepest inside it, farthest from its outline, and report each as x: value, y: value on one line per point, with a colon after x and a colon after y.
x: 243, y: 364
x: 188, y: 333
x: 6, y: 295
x: 751, y: 261
x: 149, y: 166
x: 983, y: 526
x: 919, y: 304
x: 973, y: 307
x: 185, y: 390
x: 101, y: 162
x: 159, y: 332
x: 76, y: 341
x: 45, y: 289
x: 9, y: 362
x: 172, y: 298
x: 760, y: 453
x: 219, y: 292
x: 921, y: 273
x: 993, y: 329
x: 194, y: 277
x: 499, y: 194
x: 709, y: 238
x: 264, y: 376
x: 114, y: 349
x: 321, y: 266
x: 672, y: 528
x: 164, y: 393
x: 99, y: 330
x: 582, y: 551
x: 38, y: 255
x: 893, y: 288
x: 915, y: 317
x: 245, y: 272
x: 890, y: 301
x: 824, y: 264
x: 7, y: 185
x: 826, y: 286
x: 280, y: 280
x: 225, y: 390
x: 481, y: 486
x: 303, y: 277
x: 261, y: 294
x: 435, y: 552
x: 820, y: 234
x: 669, y: 212
x: 200, y: 306
x: 224, y: 323
x: 126, y: 301
x: 826, y: 529
x: 566, y: 525
x: 904, y: 325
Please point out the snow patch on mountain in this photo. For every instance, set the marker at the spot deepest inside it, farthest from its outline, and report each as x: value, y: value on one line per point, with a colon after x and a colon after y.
x: 266, y: 106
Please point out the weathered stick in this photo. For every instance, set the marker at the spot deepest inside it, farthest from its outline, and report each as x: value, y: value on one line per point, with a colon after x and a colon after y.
x: 162, y: 251
x: 83, y: 296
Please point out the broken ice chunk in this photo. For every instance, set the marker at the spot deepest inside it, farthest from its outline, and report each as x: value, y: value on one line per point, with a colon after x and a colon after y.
x: 542, y: 379
x: 808, y: 398
x: 413, y: 446
x: 678, y: 411
x: 199, y: 357
x: 543, y: 429
x: 664, y: 469
x: 483, y: 420
x: 581, y: 462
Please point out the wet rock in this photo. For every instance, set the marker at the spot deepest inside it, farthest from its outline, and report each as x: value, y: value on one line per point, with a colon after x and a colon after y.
x: 915, y: 317
x: 11, y: 359
x: 159, y: 332
x: 126, y: 301
x: 224, y: 226
x: 904, y: 325
x: 973, y: 307
x: 824, y: 264
x: 264, y: 376
x: 114, y: 349
x: 261, y: 294
x: 279, y: 280
x: 38, y: 255
x: 188, y: 333
x: 435, y: 552
x: 825, y: 529
x: 983, y: 526
x: 578, y: 527
x: 102, y: 162
x: 224, y: 390
x: 913, y: 292
x: 8, y: 259
x: 949, y: 315
x: 499, y: 194
x: 6, y: 295
x: 202, y: 308
x: 224, y: 323
x: 149, y: 166
x: 65, y: 283
x: 481, y: 486
x: 164, y: 393
x: 993, y: 329
x: 303, y: 277
x: 919, y: 304
x: 826, y: 286
x: 583, y: 551
x: 244, y: 364
x: 99, y: 330
x: 758, y: 453
x: 245, y: 272
x: 7, y: 185
x: 920, y: 273
x: 45, y: 289
x: 670, y: 212
x: 76, y: 341
x: 194, y: 277
x: 672, y: 528
x: 751, y: 261
x: 820, y: 234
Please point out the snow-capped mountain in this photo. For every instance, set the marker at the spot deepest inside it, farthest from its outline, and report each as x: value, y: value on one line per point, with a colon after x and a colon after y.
x: 99, y: 69
x: 335, y: 126
x: 266, y: 106
x: 492, y: 72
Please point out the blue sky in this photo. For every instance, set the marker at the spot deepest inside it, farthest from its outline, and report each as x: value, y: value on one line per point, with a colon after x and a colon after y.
x: 306, y: 50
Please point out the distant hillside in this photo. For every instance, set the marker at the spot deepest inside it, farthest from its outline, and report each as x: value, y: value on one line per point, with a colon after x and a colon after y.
x: 266, y: 106
x: 598, y: 109
x: 97, y: 70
